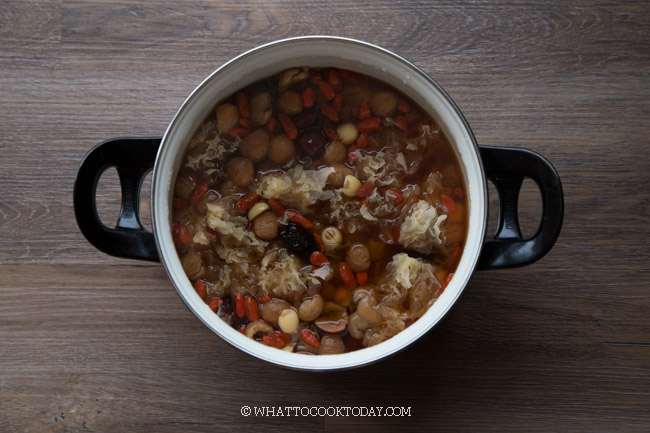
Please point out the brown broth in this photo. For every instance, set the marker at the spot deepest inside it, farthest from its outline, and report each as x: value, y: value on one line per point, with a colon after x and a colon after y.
x: 420, y: 166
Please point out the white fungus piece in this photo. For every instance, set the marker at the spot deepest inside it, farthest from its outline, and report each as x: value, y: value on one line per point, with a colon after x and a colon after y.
x: 363, y: 210
x: 422, y: 229
x: 201, y: 238
x: 374, y: 168
x: 407, y: 280
x: 392, y: 324
x: 296, y: 188
x: 343, y: 207
x: 420, y: 142
x: 381, y: 168
x: 379, y: 207
x: 222, y: 283
x: 217, y: 146
x: 237, y: 243
x: 281, y: 274
x: 408, y: 276
x: 408, y: 271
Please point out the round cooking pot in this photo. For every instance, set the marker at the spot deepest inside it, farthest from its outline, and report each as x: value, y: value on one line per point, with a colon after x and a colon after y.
x: 134, y: 157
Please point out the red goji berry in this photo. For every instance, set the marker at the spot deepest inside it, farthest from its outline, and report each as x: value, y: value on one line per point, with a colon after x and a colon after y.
x: 276, y: 207
x: 395, y: 234
x: 329, y: 130
x: 308, y: 97
x: 351, y: 343
x: 299, y: 219
x: 449, y: 202
x: 401, y: 122
x: 240, y: 309
x: 347, y: 74
x: 271, y: 125
x: 314, y: 77
x: 264, y: 299
x: 454, y: 258
x: 246, y: 202
x: 329, y: 112
x: 413, y: 132
x: 326, y: 89
x: 310, y: 338
x: 364, y: 111
x: 246, y: 123
x: 352, y: 154
x: 413, y: 116
x: 215, y: 304
x: 242, y: 329
x: 403, y: 106
x: 319, y: 241
x: 198, y: 193
x: 273, y: 340
x: 395, y: 195
x: 370, y: 124
x: 362, y: 278
x: 199, y: 286
x: 210, y: 230
x: 252, y: 311
x: 239, y: 132
x: 363, y: 140
x: 337, y: 102
x: 179, y: 203
x: 446, y: 282
x: 242, y: 104
x: 334, y: 79
x: 364, y: 203
x: 365, y: 190
x: 282, y: 335
x: 288, y: 125
x: 347, y: 276
x: 458, y: 192
x: 317, y: 258
x: 181, y: 234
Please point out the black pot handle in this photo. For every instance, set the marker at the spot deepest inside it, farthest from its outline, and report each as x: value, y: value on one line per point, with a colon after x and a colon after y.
x: 506, y: 168
x: 133, y: 158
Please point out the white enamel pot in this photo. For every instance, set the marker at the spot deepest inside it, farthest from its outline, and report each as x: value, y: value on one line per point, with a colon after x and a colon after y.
x: 134, y: 157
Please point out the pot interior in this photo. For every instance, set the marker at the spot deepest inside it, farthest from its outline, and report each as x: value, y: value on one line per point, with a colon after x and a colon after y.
x: 317, y: 51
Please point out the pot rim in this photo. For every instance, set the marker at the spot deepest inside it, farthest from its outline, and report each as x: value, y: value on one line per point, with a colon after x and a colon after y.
x: 374, y: 353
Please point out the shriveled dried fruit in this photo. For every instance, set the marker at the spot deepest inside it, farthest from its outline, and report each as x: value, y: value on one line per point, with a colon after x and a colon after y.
x: 313, y: 143
x: 298, y: 239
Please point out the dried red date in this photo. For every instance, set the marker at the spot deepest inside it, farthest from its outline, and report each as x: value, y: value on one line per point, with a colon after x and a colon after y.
x: 306, y: 119
x: 313, y: 143
x: 329, y: 129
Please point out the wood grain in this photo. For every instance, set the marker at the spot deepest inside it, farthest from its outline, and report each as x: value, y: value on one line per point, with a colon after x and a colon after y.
x: 95, y: 343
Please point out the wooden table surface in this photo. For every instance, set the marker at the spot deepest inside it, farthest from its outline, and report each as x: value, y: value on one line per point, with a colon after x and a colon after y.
x: 95, y: 343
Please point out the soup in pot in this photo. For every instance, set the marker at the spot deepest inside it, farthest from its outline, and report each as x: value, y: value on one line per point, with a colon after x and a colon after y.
x: 319, y: 211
